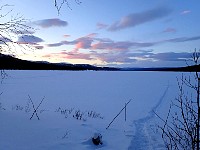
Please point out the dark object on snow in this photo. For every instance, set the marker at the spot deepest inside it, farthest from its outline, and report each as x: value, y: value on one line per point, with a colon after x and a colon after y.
x: 97, y: 139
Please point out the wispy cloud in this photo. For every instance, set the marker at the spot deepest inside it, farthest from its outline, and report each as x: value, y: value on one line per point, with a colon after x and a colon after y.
x: 171, y: 56
x: 123, y: 57
x: 108, y: 51
x: 55, y: 44
x: 111, y: 58
x: 183, y: 39
x: 119, y: 46
x: 66, y: 35
x: 101, y: 26
x: 38, y: 46
x: 47, y: 23
x: 130, y: 57
x: 92, y: 43
x: 76, y: 55
x: 185, y: 12
x: 84, y: 42
x: 70, y: 55
x: 136, y: 19
x: 169, y: 30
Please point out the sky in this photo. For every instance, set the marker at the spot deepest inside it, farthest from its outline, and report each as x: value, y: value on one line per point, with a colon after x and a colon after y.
x: 136, y: 33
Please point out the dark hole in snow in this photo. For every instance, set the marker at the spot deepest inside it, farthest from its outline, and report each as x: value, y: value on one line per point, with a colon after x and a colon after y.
x: 97, y: 139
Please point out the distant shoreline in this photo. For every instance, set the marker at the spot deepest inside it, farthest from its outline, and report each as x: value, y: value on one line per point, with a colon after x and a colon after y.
x: 10, y: 63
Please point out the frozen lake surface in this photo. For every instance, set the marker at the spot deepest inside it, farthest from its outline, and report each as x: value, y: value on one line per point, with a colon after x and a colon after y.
x: 103, y: 94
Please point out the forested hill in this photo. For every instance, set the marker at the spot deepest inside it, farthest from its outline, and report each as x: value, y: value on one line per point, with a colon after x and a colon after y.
x: 8, y: 62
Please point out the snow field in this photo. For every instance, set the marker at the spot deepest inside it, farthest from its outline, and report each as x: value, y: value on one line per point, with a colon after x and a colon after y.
x: 104, y: 93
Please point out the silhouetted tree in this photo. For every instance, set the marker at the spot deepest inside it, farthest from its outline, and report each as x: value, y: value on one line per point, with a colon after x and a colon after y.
x: 181, y: 128
x: 11, y: 27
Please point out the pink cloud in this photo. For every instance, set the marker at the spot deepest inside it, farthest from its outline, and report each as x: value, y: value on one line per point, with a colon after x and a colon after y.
x: 91, y: 42
x: 77, y: 56
x: 121, y: 57
x: 47, y: 56
x: 91, y: 35
x: 74, y: 54
x: 81, y: 45
x: 84, y: 43
x: 169, y: 30
x: 109, y: 51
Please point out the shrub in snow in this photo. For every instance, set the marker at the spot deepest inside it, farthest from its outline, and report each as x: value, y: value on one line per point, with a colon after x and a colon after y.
x: 35, y: 108
x: 17, y: 107
x: 181, y: 128
x: 78, y: 114
x: 1, y: 107
x: 3, y: 76
x: 27, y: 107
x: 64, y: 111
x: 66, y: 135
x: 93, y: 114
x: 97, y: 139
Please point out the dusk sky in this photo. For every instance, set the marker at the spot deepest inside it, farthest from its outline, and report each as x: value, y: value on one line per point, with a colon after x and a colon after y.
x: 120, y: 33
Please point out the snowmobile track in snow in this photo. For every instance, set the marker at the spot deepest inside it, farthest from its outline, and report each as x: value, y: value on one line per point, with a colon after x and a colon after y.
x: 143, y: 138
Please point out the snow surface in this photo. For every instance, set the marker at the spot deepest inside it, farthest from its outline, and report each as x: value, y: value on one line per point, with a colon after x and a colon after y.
x: 99, y: 96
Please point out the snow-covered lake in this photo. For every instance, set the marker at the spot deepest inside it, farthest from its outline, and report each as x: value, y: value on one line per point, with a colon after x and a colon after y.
x: 99, y: 96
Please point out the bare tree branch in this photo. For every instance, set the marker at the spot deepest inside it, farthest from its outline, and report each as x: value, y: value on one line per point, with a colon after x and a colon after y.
x: 10, y: 30
x: 59, y: 4
x: 11, y: 27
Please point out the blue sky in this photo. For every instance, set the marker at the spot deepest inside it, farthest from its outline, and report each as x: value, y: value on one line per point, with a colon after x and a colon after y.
x: 136, y: 33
